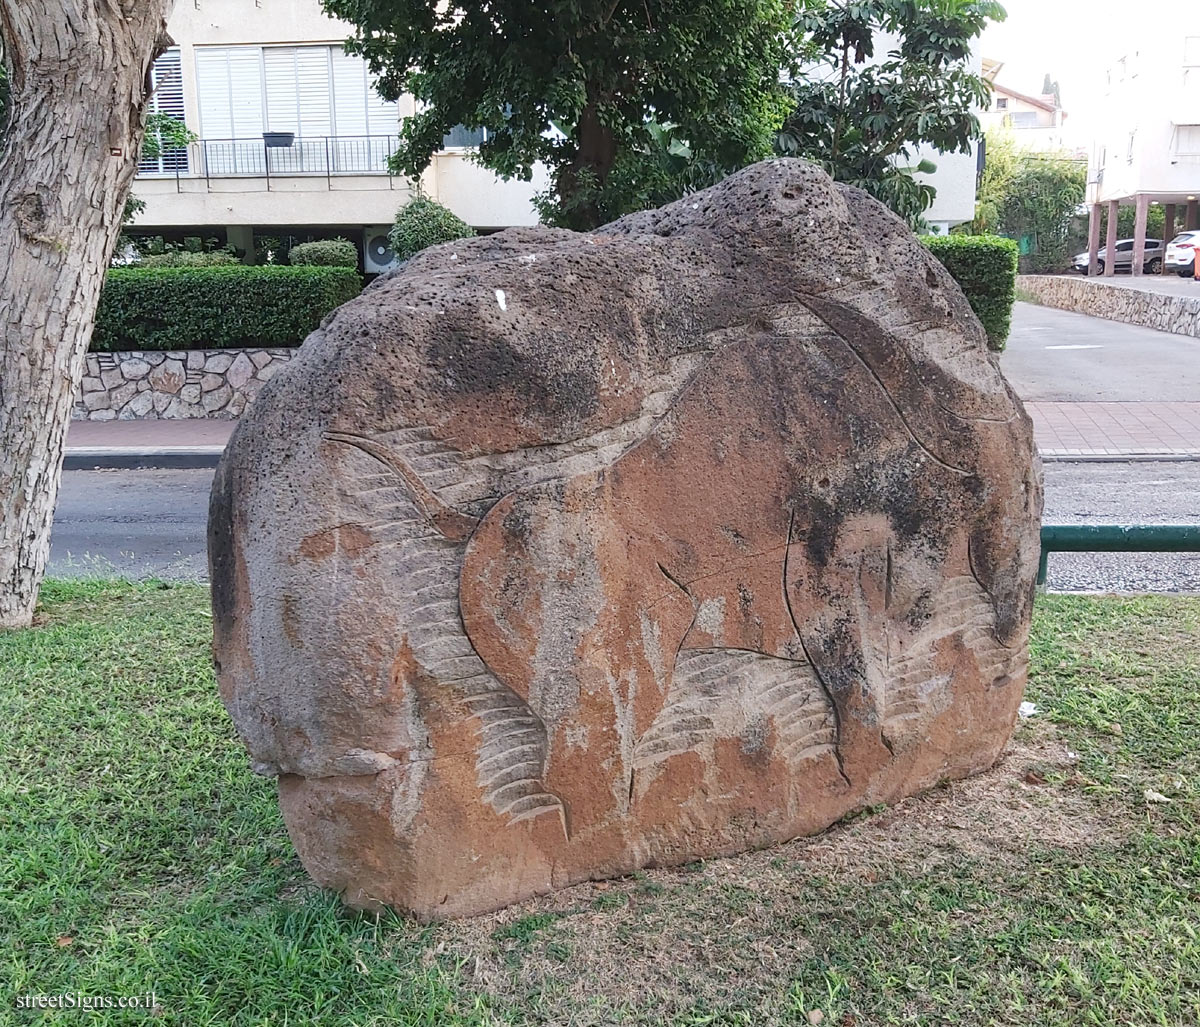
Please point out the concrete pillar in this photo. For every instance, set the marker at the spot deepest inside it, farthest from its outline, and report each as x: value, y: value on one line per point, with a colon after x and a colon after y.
x: 241, y: 237
x: 1139, y: 232
x: 1193, y: 215
x: 1110, y: 240
x: 1093, y: 239
x: 1168, y: 223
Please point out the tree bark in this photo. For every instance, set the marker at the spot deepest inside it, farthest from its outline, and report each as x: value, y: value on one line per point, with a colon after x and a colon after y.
x: 80, y: 79
x: 595, y: 154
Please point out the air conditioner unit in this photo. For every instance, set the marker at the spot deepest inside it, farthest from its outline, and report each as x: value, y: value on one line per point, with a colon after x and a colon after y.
x: 378, y: 255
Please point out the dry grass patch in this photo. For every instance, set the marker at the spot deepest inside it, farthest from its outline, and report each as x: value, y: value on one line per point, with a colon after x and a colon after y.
x: 731, y: 930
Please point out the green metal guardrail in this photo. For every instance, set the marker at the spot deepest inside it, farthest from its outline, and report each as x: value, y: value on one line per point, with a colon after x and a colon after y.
x: 1116, y: 538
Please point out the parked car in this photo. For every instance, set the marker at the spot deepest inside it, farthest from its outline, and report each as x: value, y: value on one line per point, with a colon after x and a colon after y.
x: 1152, y: 262
x: 1181, y: 254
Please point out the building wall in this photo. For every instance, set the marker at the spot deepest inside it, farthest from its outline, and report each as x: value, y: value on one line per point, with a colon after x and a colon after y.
x: 1150, y: 141
x: 194, y: 200
x: 954, y: 181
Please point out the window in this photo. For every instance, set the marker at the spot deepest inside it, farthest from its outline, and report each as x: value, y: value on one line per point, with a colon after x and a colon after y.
x: 460, y: 136
x: 167, y: 77
x: 325, y: 97
x: 1001, y: 103
x: 1124, y: 247
x: 1023, y: 119
x: 1187, y: 140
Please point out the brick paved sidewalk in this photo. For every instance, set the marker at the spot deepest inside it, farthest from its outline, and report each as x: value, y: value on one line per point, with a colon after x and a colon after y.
x: 148, y: 434
x: 1063, y: 430
x: 1114, y: 430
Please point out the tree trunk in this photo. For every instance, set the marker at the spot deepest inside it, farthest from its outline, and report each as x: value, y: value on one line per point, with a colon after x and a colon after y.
x: 595, y: 154
x: 80, y: 79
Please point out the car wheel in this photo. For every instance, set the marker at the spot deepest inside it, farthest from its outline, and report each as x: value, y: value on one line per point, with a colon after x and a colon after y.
x: 1154, y: 267
x: 1183, y: 272
x: 1100, y: 267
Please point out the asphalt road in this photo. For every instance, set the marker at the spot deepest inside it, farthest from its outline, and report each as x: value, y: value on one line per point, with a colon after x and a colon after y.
x: 137, y: 524
x: 146, y: 524
x: 1060, y: 356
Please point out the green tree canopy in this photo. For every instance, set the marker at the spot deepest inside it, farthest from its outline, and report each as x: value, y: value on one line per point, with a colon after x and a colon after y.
x: 1001, y: 162
x: 863, y: 119
x: 1033, y: 198
x: 1043, y: 196
x: 580, y: 85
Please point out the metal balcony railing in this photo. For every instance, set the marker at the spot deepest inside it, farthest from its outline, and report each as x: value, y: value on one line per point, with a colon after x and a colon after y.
x: 253, y: 158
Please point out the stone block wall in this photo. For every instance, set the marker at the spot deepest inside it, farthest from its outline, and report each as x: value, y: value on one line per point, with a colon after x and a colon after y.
x: 175, y: 383
x: 1167, y: 313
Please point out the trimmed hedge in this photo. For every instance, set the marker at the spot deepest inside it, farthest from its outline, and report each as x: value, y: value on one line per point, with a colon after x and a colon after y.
x: 985, y: 267
x: 424, y: 222
x: 324, y: 253
x: 184, y: 258
x: 216, y: 307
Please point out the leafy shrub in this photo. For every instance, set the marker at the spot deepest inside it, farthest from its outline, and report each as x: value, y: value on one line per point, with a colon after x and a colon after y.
x: 185, y: 258
x: 985, y: 267
x: 200, y: 307
x: 324, y: 253
x: 423, y: 222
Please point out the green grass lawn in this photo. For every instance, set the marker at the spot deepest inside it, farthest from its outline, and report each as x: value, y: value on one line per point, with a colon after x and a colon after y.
x: 137, y: 852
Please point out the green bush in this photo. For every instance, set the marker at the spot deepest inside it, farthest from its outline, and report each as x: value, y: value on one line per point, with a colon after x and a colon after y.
x: 985, y: 267
x: 421, y: 223
x: 200, y: 307
x: 185, y: 258
x: 324, y: 253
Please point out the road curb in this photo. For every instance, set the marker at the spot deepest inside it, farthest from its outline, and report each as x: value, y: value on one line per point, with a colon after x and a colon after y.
x: 1119, y: 458
x: 175, y: 458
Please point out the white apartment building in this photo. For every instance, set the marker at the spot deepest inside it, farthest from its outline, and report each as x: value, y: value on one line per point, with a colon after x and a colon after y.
x: 1148, y: 150
x: 292, y: 136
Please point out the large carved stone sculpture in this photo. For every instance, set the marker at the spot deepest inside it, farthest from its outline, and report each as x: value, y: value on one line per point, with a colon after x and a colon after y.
x: 554, y: 556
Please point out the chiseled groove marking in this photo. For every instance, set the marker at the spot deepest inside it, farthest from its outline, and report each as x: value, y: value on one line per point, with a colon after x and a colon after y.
x: 511, y: 740
x: 803, y: 716
x: 708, y: 685
x: 961, y: 609
x: 683, y: 720
x: 534, y: 464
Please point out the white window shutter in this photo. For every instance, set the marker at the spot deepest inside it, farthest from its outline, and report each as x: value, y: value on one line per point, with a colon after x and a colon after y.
x: 167, y: 78
x: 246, y: 91
x: 349, y: 94
x: 383, y: 116
x: 229, y: 87
x: 298, y: 90
x: 212, y: 91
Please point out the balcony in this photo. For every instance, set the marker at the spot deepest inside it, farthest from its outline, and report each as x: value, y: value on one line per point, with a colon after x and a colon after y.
x: 311, y: 157
x: 319, y: 180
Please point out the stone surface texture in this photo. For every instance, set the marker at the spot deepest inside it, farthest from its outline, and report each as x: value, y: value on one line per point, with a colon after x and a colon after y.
x: 174, y: 384
x: 1096, y: 298
x: 554, y: 555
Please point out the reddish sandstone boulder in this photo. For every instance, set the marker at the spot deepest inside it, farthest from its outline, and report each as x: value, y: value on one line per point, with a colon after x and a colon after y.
x: 554, y: 556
